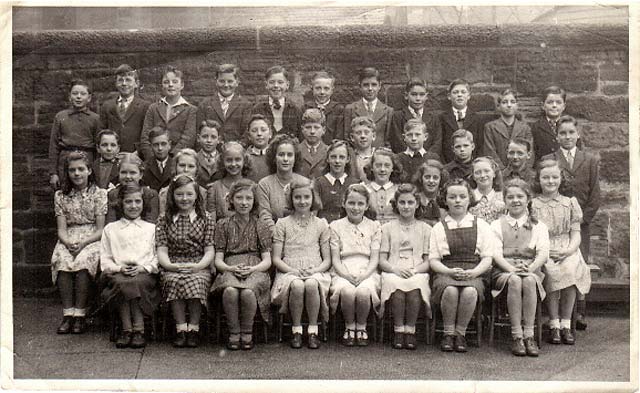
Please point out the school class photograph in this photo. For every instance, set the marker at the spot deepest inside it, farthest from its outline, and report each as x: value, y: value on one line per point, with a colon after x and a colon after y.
x: 420, y: 198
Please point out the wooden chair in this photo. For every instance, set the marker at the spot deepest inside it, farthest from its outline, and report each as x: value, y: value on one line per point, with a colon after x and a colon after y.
x: 500, y: 316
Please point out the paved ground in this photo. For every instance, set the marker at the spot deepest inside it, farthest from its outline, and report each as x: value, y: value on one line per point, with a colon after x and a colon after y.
x: 601, y: 354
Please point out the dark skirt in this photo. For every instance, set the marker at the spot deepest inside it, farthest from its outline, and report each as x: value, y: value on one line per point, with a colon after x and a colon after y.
x: 442, y: 281
x: 118, y: 288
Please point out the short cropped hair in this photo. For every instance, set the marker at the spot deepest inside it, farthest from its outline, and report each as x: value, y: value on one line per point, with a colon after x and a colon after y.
x: 415, y: 81
x: 335, y: 144
x: 228, y: 69
x: 521, y: 142
x: 125, y: 70
x: 104, y: 132
x: 505, y: 93
x: 414, y: 123
x: 173, y: 69
x: 554, y: 90
x: 462, y: 133
x: 323, y: 75
x: 313, y: 115
x: 210, y: 124
x: 156, y: 132
x: 456, y: 82
x: 368, y: 72
x: 80, y: 82
x: 365, y: 121
x: 276, y: 70
x: 567, y: 119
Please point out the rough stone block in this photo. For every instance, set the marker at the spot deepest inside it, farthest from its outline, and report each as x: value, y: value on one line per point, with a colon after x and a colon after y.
x: 604, y: 135
x: 614, y: 165
x: 34, y: 219
x: 27, y: 278
x: 18, y: 252
x: 612, y: 267
x: 619, y: 88
x: 53, y: 86
x: 614, y: 194
x: 599, y: 226
x: 615, y: 70
x: 23, y: 114
x: 31, y: 139
x: 619, y: 242
x: 22, y: 86
x: 599, y: 108
x: 38, y: 244
x: 21, y: 199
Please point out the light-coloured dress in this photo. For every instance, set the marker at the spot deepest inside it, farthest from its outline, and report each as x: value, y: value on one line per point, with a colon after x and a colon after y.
x: 523, y: 243
x: 381, y: 197
x: 406, y: 246
x: 562, y: 215
x: 80, y: 209
x: 356, y: 243
x: 490, y: 207
x: 301, y: 249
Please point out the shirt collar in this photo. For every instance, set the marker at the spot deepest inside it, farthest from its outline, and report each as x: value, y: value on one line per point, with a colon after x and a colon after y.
x: 332, y: 179
x: 163, y: 162
x: 463, y: 110
x: 520, y: 221
x: 84, y: 110
x: 373, y: 103
x: 181, y: 101
x: 254, y: 150
x: 82, y: 193
x: 324, y: 105
x: 418, y: 113
x: 572, y: 152
x: 222, y: 98
x: 192, y: 216
x: 309, y: 147
x: 478, y: 195
x: 468, y: 219
x: 281, y: 102
x: 411, y: 153
x: 377, y: 187
x: 126, y: 222
x: 127, y: 101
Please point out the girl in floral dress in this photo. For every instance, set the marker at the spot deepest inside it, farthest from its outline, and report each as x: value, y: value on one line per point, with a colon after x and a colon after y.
x: 243, y: 256
x: 486, y: 181
x: 80, y: 208
x: 184, y: 241
x: 302, y: 256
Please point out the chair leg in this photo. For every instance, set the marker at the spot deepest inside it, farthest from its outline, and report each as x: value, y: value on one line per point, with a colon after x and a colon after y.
x: 539, y: 322
x: 479, y: 323
x: 280, y: 326
x: 434, y: 315
x: 492, y: 320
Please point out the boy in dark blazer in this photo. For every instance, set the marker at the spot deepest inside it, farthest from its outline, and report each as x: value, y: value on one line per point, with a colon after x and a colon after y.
x: 281, y: 113
x: 312, y: 150
x: 125, y: 114
x: 415, y: 135
x: 369, y: 105
x: 499, y: 132
x: 157, y: 167
x: 459, y: 117
x: 415, y: 93
x: 226, y: 107
x: 105, y: 168
x: 322, y: 84
x: 581, y: 179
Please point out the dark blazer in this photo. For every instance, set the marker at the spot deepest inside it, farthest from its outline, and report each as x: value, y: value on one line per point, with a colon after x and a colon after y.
x: 234, y: 124
x: 410, y: 165
x: 206, y: 174
x: 312, y: 166
x: 381, y: 116
x: 112, y: 177
x: 152, y: 176
x: 473, y: 122
x: 544, y: 138
x: 581, y: 182
x: 401, y: 117
x: 496, y: 139
x: 181, y: 125
x: 291, y: 117
x: 334, y: 114
x: 128, y: 128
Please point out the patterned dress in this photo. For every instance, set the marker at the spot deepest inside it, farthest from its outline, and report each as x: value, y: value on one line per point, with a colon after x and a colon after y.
x: 490, y: 207
x: 356, y: 243
x: 186, y: 238
x: 242, y: 244
x: 301, y: 249
x: 406, y: 246
x: 80, y: 209
x: 562, y: 215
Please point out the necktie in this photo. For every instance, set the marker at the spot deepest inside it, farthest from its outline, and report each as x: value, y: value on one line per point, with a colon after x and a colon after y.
x: 276, y: 104
x: 552, y: 124
x: 321, y: 107
x: 570, y: 160
x: 370, y: 108
x: 121, y: 109
x: 224, y: 103
x: 459, y: 114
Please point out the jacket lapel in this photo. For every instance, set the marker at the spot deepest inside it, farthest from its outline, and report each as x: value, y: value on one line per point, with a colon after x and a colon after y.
x: 379, y: 112
x: 578, y: 160
x: 502, y: 129
x: 161, y: 109
x: 450, y: 119
x: 215, y: 104
x: 132, y: 107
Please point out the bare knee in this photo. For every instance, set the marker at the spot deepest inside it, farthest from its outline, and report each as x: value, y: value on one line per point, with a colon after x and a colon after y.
x: 528, y: 282
x: 311, y: 285
x: 515, y: 282
x: 451, y: 292
x: 348, y: 293
x: 297, y: 287
x: 230, y: 293
x: 247, y: 295
x: 362, y: 293
x: 469, y: 293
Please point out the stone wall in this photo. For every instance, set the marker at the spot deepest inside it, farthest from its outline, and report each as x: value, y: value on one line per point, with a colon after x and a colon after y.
x: 591, y: 63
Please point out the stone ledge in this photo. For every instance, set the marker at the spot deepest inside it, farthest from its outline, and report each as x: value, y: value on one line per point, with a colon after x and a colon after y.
x: 313, y: 37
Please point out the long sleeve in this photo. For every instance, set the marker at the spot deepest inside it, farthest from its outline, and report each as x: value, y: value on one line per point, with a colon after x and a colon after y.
x: 145, y: 144
x: 262, y: 194
x: 395, y: 132
x: 490, y: 145
x: 54, y: 148
x: 434, y: 142
x: 593, y: 200
x: 188, y: 136
x: 107, y: 263
x: 152, y: 205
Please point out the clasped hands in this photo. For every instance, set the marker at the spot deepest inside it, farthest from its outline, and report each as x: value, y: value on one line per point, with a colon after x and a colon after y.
x: 242, y: 271
x: 460, y: 274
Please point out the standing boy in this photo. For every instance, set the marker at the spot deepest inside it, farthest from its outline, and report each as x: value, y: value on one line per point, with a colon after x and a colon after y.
x: 369, y: 105
x: 499, y: 132
x: 415, y: 134
x: 322, y: 85
x: 463, y: 147
x: 226, y: 107
x: 581, y: 179
x: 281, y: 113
x: 313, y: 151
x: 415, y: 93
x: 105, y: 168
x: 125, y: 114
x: 459, y: 117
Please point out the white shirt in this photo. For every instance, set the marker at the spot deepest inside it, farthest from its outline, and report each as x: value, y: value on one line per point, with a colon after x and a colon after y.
x: 372, y: 104
x: 192, y: 216
x: 376, y: 187
x: 128, y: 241
x: 410, y: 152
x: 571, y: 152
x: 223, y: 98
x: 416, y: 114
x: 127, y: 101
x: 490, y: 196
x: 332, y: 179
x: 162, y: 164
x: 257, y: 152
x: 277, y: 113
x: 181, y: 101
x: 463, y: 110
x: 539, y: 235
x: 439, y: 247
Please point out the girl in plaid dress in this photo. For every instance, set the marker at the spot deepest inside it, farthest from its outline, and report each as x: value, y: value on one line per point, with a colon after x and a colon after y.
x: 184, y: 240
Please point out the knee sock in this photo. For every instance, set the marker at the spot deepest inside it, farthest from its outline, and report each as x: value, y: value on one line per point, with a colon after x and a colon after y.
x: 296, y: 329
x: 312, y: 329
x: 448, y: 330
x: 565, y: 324
x: 68, y: 312
x: 361, y: 326
x: 461, y: 330
x: 350, y: 326
x: 79, y: 312
x: 181, y: 327
x: 398, y: 329
x: 409, y: 329
x: 554, y: 324
x: 193, y: 328
x: 138, y: 328
x: 528, y: 331
x: 516, y: 331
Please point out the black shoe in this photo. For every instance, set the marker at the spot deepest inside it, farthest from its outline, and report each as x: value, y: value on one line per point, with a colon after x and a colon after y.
x: 296, y: 341
x: 137, y: 341
x: 410, y: 341
x: 181, y: 340
x: 398, y: 340
x: 124, y: 340
x: 567, y: 337
x: 460, y: 343
x: 518, y: 348
x: 531, y: 347
x: 65, y: 326
x: 78, y: 325
x: 313, y: 342
x: 348, y: 338
x: 247, y: 345
x: 581, y: 324
x: 555, y: 336
x: 193, y: 339
x: 446, y: 345
x: 362, y: 338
